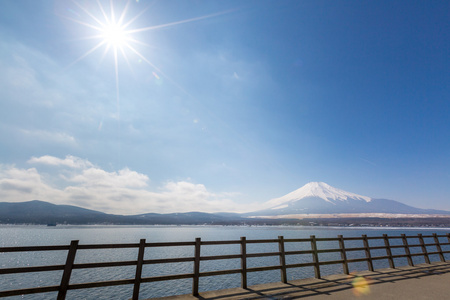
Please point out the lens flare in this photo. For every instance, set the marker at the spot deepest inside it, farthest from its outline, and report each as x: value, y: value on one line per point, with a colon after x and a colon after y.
x: 360, y: 286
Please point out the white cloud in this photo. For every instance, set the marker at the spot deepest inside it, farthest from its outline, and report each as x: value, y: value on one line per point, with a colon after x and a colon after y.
x: 18, y: 185
x: 122, y: 192
x: 124, y: 178
x: 69, y: 161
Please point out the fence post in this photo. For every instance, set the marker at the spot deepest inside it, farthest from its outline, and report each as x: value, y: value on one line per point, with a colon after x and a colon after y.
x: 424, y: 249
x: 407, y: 252
x: 448, y: 237
x: 67, y: 270
x: 315, y: 256
x: 196, y: 267
x: 282, y: 259
x: 343, y: 254
x: 438, y: 247
x: 137, y: 279
x: 388, y: 251
x: 243, y: 262
x: 367, y: 250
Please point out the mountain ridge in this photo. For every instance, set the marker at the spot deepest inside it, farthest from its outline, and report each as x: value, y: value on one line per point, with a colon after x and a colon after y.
x: 314, y: 198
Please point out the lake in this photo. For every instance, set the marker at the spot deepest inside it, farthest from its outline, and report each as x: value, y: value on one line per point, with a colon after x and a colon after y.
x: 62, y: 235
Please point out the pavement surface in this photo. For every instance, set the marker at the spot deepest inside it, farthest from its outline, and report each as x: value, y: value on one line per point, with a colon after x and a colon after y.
x: 425, y: 281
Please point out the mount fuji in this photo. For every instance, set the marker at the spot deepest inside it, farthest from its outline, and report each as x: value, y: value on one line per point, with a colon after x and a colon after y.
x: 321, y: 198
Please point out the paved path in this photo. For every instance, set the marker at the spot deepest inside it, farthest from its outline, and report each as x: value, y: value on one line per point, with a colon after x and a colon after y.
x: 420, y: 282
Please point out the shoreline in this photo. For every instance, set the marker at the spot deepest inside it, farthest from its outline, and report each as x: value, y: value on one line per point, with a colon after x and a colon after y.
x: 69, y: 226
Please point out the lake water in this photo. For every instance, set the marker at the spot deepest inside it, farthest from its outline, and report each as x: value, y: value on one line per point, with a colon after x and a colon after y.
x: 62, y: 235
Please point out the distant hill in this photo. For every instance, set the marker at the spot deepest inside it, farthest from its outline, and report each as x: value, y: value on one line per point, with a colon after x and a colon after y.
x: 321, y: 198
x: 41, y: 212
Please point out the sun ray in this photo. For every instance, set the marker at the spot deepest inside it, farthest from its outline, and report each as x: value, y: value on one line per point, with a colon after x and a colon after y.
x: 126, y: 58
x: 88, y: 52
x: 117, y: 81
x: 113, y: 15
x: 122, y: 15
x: 143, y: 57
x: 104, y: 53
x: 159, y: 70
x: 135, y: 18
x: 103, y: 11
x: 141, y: 43
x: 89, y: 13
x: 179, y: 22
x: 83, y: 23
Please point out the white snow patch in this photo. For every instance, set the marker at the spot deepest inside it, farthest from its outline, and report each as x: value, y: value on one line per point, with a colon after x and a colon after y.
x: 319, y: 190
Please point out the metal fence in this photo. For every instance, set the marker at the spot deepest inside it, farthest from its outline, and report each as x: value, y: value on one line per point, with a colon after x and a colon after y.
x: 369, y: 253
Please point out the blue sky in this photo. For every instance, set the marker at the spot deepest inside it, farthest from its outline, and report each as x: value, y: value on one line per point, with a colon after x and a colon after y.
x: 227, y: 105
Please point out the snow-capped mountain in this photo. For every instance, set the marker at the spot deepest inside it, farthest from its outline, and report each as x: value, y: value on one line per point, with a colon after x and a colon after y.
x: 316, y: 190
x: 321, y: 198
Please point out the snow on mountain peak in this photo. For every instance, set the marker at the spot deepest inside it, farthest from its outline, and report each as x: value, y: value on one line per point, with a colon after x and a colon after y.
x: 319, y: 190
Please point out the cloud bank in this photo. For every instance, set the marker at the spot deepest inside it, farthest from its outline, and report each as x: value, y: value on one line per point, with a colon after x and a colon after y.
x: 76, y: 181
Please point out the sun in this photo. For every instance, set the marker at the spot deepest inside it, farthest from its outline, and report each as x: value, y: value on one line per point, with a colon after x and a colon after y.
x: 109, y: 32
x: 114, y: 35
x: 113, y: 29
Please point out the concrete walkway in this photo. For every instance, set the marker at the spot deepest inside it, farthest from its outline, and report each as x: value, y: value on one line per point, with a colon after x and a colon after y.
x: 420, y: 282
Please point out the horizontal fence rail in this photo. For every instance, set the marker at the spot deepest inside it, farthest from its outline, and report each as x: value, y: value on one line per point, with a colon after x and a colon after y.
x: 309, y: 247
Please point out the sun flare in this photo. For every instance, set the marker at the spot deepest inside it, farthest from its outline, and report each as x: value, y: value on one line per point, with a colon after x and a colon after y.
x: 112, y: 29
x: 114, y: 35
